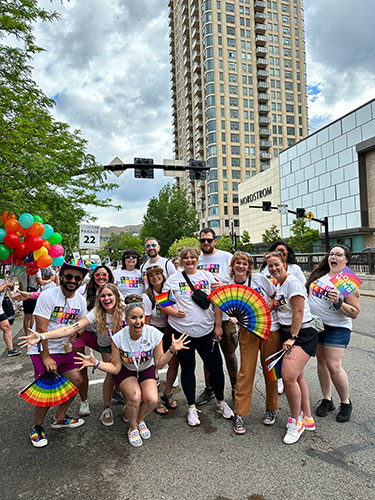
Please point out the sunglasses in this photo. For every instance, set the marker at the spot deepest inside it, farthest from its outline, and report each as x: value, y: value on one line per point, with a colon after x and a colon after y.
x: 270, y: 254
x: 152, y: 245
x: 71, y: 277
x: 206, y: 240
x: 101, y: 275
x: 131, y: 257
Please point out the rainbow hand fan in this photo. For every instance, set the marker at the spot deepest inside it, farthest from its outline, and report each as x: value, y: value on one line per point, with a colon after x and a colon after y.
x: 50, y: 389
x: 245, y: 304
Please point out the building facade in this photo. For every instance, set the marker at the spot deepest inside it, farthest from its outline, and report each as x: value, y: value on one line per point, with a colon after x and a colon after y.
x: 329, y: 173
x: 238, y: 84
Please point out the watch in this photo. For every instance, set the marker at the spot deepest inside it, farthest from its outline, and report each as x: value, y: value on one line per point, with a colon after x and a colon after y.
x: 293, y: 337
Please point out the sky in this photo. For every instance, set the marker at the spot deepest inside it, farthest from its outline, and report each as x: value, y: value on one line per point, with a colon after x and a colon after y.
x: 106, y: 64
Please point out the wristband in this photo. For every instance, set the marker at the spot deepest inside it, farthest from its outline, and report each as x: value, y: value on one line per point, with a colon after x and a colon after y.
x: 42, y: 336
x: 95, y: 366
x: 172, y: 351
x: 338, y: 305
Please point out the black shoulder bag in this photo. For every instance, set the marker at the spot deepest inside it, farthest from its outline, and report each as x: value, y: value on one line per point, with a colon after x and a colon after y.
x: 199, y: 297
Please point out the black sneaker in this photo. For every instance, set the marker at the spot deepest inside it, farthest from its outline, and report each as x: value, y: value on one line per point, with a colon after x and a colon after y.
x: 345, y: 412
x: 326, y: 405
x: 204, y: 397
x: 13, y: 352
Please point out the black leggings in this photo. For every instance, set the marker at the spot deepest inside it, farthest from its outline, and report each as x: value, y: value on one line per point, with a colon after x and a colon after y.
x: 212, y: 360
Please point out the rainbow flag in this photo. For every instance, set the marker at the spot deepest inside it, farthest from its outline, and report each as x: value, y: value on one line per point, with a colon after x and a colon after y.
x: 275, y: 372
x: 165, y: 299
x: 346, y: 281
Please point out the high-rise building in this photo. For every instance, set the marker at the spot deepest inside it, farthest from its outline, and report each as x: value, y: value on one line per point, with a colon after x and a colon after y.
x: 238, y: 93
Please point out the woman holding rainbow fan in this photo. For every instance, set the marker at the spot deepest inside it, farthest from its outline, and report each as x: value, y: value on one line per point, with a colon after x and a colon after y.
x: 337, y: 313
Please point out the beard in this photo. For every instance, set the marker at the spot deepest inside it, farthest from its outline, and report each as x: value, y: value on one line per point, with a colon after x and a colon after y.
x: 208, y: 251
x: 70, y: 290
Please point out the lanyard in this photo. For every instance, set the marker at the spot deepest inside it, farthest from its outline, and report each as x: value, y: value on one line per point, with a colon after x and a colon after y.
x: 136, y: 363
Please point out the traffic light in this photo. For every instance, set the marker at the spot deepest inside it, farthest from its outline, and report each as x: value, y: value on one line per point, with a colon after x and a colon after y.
x: 266, y: 206
x: 300, y: 213
x: 143, y: 171
x: 196, y: 172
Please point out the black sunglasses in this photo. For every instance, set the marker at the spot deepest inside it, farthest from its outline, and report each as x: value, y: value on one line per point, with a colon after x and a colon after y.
x: 70, y: 277
x: 208, y: 240
x: 130, y: 257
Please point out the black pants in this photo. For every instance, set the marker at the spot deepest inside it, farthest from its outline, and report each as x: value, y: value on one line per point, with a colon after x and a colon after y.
x: 212, y: 360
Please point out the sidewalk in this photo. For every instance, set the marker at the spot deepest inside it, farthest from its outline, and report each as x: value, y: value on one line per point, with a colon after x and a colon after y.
x: 17, y: 327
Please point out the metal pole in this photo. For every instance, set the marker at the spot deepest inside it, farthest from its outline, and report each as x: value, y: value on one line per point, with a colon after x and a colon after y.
x: 326, y: 232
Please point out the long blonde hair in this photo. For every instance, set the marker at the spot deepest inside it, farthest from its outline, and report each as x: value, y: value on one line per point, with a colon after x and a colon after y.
x: 101, y: 313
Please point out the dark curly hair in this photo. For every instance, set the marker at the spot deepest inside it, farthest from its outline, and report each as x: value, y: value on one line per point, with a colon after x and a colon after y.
x: 323, y: 267
x: 92, y: 287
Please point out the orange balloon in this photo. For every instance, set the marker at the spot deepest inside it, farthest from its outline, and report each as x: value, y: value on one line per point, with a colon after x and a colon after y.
x: 46, y: 244
x: 37, y: 229
x: 12, y: 226
x: 22, y: 231
x: 7, y: 215
x: 44, y: 261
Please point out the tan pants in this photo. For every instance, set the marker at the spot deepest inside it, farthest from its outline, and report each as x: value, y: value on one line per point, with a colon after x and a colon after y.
x: 250, y: 345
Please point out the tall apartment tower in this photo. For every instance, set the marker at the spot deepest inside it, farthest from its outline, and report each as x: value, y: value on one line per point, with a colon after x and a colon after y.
x: 238, y: 93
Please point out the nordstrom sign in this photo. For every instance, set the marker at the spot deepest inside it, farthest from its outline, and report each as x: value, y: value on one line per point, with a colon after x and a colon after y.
x: 257, y: 195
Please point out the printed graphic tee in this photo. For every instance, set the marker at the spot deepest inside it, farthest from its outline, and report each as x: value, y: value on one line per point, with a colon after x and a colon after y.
x: 129, y: 282
x: 291, y: 287
x: 103, y: 338
x: 137, y: 355
x: 217, y: 264
x: 60, y: 311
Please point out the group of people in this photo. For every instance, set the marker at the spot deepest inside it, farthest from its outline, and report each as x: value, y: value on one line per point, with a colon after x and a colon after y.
x: 117, y: 315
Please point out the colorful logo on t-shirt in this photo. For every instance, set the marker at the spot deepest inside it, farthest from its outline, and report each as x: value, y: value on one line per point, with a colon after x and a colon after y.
x: 131, y: 282
x: 141, y: 357
x: 203, y: 285
x: 280, y: 303
x: 320, y: 290
x: 210, y: 268
x: 64, y: 315
x: 272, y: 280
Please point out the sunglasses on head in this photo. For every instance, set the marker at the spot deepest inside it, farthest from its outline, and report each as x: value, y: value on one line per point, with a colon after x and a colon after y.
x: 71, y: 277
x: 242, y: 253
x: 151, y: 245
x: 270, y: 254
x: 131, y: 257
x: 204, y: 240
x: 100, y: 275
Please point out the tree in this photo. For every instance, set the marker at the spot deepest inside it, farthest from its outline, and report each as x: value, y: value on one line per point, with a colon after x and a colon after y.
x: 45, y: 168
x: 183, y: 242
x: 303, y: 236
x: 169, y: 217
x: 271, y: 235
x: 225, y: 243
x: 245, y: 244
x: 118, y: 243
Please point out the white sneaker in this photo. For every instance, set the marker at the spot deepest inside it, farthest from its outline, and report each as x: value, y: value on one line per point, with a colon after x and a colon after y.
x: 192, y: 417
x: 280, y: 386
x: 224, y: 410
x: 84, y: 408
x: 294, y: 431
x: 106, y: 417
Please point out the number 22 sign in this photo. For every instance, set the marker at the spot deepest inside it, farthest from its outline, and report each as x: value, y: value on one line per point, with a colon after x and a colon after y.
x: 89, y: 236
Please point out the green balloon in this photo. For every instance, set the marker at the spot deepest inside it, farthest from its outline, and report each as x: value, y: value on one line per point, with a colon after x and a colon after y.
x: 4, y: 252
x: 55, y: 239
x: 37, y: 219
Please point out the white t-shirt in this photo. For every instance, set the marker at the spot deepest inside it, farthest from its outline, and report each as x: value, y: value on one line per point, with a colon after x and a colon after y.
x: 137, y: 355
x: 165, y: 264
x: 59, y: 310
x: 197, y: 322
x: 129, y: 282
x: 217, y: 264
x: 291, y: 287
x: 321, y: 306
x: 104, y: 339
x: 28, y: 280
x: 158, y: 319
x: 293, y: 269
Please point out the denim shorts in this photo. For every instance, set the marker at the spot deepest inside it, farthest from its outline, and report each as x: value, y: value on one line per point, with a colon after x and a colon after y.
x: 334, y: 336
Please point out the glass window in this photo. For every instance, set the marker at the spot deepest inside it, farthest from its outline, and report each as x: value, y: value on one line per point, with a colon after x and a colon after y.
x: 235, y: 150
x: 233, y: 101
x: 236, y: 174
x: 235, y: 137
x: 231, y: 42
x: 234, y: 125
x: 230, y: 19
x: 236, y: 162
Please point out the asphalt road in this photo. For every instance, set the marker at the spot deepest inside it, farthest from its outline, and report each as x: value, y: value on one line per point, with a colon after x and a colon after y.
x: 209, y: 462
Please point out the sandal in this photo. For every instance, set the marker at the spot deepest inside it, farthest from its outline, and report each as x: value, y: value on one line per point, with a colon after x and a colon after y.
x: 161, y: 409
x: 134, y: 438
x: 169, y: 401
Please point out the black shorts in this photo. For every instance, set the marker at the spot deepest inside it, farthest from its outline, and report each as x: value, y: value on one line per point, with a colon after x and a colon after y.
x: 29, y: 306
x: 3, y: 317
x: 307, y: 338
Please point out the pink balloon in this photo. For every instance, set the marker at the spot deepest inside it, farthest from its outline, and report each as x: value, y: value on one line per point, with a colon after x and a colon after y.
x: 55, y: 251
